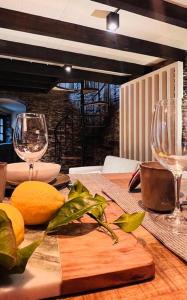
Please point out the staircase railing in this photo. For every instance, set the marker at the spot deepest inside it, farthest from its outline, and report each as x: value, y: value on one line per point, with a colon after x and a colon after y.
x: 97, y: 115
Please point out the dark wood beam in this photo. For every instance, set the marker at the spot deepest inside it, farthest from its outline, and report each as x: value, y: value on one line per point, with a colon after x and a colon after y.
x: 162, y: 64
x: 38, y: 69
x: 156, y: 67
x: 63, y: 57
x: 27, y: 78
x: 49, y: 27
x: 29, y: 68
x: 53, y: 84
x: 79, y: 75
x: 156, y: 9
x: 24, y: 84
x: 22, y: 89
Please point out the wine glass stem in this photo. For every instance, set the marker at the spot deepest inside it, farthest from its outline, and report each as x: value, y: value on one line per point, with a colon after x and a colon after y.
x: 31, y: 166
x: 177, y: 180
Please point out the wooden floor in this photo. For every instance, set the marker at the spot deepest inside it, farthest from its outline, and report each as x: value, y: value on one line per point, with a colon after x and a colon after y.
x: 171, y: 272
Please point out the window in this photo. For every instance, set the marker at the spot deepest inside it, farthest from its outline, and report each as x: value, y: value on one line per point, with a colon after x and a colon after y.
x: 5, y: 129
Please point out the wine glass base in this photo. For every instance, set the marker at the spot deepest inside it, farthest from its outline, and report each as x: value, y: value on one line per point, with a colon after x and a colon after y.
x: 176, y: 223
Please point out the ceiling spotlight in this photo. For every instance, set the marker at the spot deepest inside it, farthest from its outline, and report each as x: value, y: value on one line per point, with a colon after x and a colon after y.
x: 68, y: 68
x: 112, y: 21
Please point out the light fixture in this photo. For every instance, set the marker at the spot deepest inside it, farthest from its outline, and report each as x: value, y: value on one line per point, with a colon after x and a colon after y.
x: 68, y: 68
x: 112, y: 21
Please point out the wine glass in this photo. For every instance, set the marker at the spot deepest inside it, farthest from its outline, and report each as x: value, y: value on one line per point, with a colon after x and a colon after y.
x: 169, y: 146
x: 30, y: 138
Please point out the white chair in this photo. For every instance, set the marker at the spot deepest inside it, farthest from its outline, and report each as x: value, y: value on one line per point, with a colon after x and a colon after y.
x: 112, y: 164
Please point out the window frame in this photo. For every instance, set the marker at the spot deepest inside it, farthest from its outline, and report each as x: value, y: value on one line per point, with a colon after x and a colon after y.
x: 4, y: 117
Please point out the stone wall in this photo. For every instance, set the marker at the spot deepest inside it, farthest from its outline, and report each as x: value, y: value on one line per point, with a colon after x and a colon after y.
x: 111, y: 132
x: 53, y: 105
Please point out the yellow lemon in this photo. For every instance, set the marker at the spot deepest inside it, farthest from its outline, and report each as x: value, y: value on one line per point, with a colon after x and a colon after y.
x: 37, y: 201
x: 17, y: 220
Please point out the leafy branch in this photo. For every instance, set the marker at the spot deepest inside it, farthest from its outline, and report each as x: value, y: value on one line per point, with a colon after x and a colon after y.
x: 81, y: 201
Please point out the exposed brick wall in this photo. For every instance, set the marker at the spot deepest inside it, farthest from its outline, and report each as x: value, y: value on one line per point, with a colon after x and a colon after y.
x: 110, y: 134
x: 53, y: 105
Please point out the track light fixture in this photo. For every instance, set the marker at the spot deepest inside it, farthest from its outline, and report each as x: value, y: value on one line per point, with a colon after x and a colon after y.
x: 68, y: 68
x: 112, y: 21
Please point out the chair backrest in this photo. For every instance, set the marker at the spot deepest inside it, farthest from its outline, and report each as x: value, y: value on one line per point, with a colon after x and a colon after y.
x: 85, y: 170
x: 112, y: 164
x: 115, y: 164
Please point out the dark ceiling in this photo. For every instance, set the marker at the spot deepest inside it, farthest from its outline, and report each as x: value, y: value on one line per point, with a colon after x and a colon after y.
x: 18, y: 74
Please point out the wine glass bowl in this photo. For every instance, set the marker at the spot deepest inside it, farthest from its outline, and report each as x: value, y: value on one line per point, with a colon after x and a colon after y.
x: 30, y: 138
x: 169, y: 146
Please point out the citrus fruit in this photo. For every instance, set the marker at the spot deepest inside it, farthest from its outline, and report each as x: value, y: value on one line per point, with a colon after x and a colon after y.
x: 37, y: 201
x: 17, y: 221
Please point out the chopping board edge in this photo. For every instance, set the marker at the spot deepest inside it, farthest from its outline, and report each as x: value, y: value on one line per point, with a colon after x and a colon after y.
x: 108, y: 280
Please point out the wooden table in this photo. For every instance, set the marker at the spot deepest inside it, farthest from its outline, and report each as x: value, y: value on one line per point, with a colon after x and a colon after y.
x: 171, y: 272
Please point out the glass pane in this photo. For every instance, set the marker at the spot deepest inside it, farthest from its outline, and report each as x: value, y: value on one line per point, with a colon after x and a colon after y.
x: 1, y: 137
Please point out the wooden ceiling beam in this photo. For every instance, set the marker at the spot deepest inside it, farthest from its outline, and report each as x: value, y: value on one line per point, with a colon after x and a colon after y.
x: 27, y: 78
x: 15, y: 20
x: 29, y: 68
x: 162, y: 64
x: 156, y: 9
x: 21, y: 50
x: 76, y: 75
x: 80, y: 75
x: 17, y: 83
x: 22, y: 89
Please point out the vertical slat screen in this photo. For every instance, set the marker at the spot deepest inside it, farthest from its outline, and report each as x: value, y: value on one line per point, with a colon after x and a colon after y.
x: 140, y: 122
x: 122, y: 122
x: 137, y: 100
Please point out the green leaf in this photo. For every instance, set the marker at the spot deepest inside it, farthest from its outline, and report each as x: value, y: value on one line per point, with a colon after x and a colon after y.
x: 8, y: 248
x: 98, y: 211
x: 23, y: 256
x: 129, y: 222
x: 71, y: 211
x: 78, y: 190
x: 100, y: 199
x: 12, y: 259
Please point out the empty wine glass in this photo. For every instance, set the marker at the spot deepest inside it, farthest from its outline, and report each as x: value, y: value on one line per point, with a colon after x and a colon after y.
x: 169, y: 146
x: 30, y: 138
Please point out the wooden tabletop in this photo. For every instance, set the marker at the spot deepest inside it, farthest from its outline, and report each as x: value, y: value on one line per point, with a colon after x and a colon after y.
x: 171, y: 272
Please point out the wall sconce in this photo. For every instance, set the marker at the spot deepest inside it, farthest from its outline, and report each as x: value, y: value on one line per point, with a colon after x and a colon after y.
x: 112, y: 21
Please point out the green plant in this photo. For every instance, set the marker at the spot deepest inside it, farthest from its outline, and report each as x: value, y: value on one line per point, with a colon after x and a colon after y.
x: 12, y: 259
x: 80, y: 202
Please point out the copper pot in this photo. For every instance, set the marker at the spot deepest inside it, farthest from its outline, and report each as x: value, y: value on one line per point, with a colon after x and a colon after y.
x: 157, y: 187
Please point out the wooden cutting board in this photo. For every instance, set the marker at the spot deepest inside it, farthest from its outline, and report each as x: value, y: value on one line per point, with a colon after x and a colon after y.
x: 91, y: 261
x: 85, y: 259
